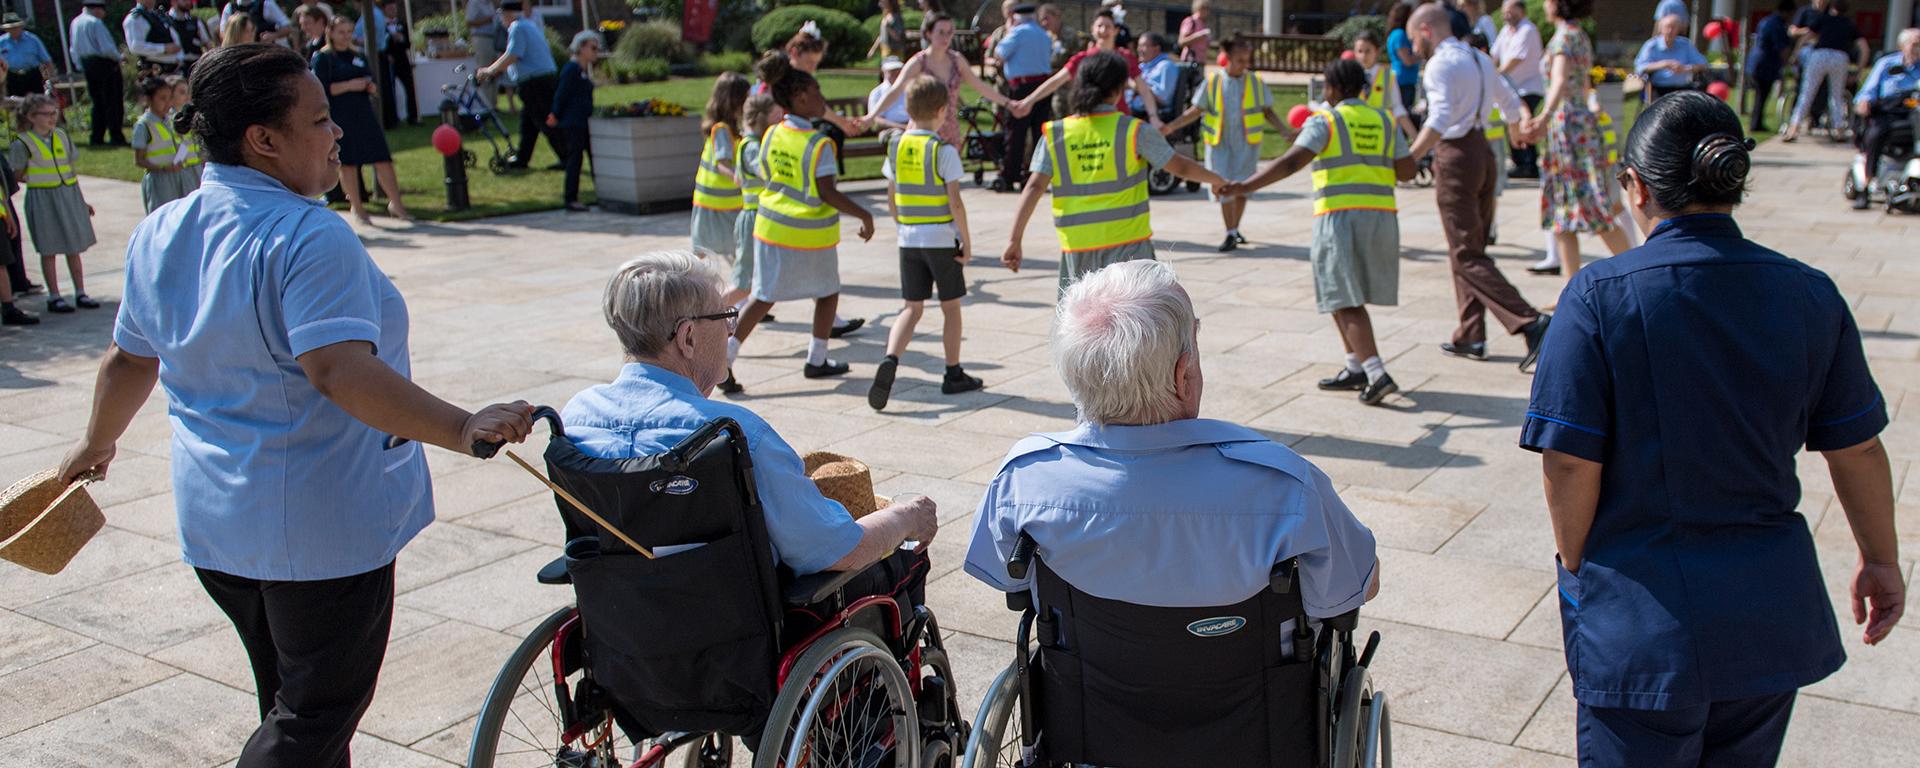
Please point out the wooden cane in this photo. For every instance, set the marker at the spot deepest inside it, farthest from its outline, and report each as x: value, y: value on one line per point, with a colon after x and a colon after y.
x: 562, y: 493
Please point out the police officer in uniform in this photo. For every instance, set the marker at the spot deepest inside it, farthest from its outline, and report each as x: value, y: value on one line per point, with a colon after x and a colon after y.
x: 152, y: 39
x: 1675, y: 388
x: 195, y: 38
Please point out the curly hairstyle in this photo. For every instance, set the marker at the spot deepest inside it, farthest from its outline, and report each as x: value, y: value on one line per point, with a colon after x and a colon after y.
x: 1690, y: 150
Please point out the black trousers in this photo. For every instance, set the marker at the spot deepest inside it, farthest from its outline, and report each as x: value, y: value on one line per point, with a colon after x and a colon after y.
x: 1762, y: 93
x: 1880, y: 128
x: 1023, y: 134
x: 108, y: 92
x: 316, y: 649
x: 25, y: 82
x: 574, y: 146
x: 1526, y: 160
x: 398, y: 68
x: 536, y: 101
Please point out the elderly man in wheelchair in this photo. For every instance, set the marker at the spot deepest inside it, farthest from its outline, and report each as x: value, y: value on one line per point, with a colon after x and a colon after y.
x: 1188, y: 587
x: 719, y: 593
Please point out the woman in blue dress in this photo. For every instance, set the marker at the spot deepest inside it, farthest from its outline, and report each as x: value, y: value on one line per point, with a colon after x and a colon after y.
x: 1678, y: 383
x: 342, y: 69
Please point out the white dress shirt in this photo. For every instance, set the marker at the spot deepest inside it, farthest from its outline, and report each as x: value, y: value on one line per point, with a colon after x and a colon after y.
x: 135, y: 28
x: 1463, y: 88
x: 91, y: 37
x: 1522, y: 41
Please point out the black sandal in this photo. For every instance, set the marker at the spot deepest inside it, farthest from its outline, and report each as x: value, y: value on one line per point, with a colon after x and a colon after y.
x: 59, y: 306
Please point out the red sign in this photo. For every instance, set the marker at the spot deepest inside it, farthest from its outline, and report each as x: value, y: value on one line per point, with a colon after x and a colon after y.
x: 696, y: 22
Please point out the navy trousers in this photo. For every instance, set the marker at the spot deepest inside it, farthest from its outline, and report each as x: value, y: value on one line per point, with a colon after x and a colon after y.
x: 1744, y: 733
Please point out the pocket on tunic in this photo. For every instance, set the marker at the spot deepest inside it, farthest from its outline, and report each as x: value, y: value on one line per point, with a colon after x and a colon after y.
x: 1570, y: 594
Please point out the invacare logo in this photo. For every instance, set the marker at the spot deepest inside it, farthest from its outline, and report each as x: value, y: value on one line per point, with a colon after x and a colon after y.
x: 1216, y: 626
x: 678, y: 485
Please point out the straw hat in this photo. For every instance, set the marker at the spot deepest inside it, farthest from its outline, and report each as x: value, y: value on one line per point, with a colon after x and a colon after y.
x: 12, y: 21
x: 846, y: 480
x: 44, y: 522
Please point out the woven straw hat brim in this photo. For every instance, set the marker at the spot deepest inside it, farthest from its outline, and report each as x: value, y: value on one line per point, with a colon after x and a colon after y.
x: 44, y: 522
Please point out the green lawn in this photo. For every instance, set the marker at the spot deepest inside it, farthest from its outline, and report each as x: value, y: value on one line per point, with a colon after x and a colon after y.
x: 421, y: 172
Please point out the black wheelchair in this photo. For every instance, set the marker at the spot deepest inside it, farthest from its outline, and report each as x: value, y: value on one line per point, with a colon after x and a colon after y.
x: 1191, y: 78
x: 1106, y: 683
x: 682, y: 635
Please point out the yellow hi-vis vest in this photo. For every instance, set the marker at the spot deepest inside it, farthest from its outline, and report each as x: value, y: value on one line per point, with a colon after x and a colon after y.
x: 714, y: 188
x: 750, y: 181
x: 1355, y: 171
x: 1496, y: 126
x: 1377, y: 90
x: 162, y: 142
x: 1608, y: 138
x: 49, y: 164
x: 1253, y: 118
x: 792, y: 214
x: 1099, y: 181
x: 919, y: 194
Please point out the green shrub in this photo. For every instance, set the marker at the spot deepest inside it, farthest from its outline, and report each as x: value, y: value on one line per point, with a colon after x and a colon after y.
x: 650, y: 70
x: 731, y: 61
x: 557, y: 45
x: 653, y: 40
x: 911, y: 16
x: 454, y: 24
x: 854, y: 8
x: 1347, y: 30
x: 846, y: 41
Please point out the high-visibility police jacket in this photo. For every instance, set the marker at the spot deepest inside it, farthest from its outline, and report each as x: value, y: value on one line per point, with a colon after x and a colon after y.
x: 49, y: 163
x: 162, y: 143
x: 747, y: 163
x: 919, y: 194
x: 1099, y: 181
x: 1253, y: 117
x: 792, y: 213
x: 714, y: 188
x: 1355, y: 170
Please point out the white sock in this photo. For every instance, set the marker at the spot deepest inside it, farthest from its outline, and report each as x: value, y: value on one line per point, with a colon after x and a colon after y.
x: 1234, y: 231
x: 1553, y: 252
x: 838, y: 321
x: 816, y: 352
x: 1376, y: 368
x: 1353, y: 363
x: 733, y: 349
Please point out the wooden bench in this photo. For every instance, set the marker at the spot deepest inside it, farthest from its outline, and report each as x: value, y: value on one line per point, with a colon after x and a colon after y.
x: 857, y: 146
x: 1304, y: 54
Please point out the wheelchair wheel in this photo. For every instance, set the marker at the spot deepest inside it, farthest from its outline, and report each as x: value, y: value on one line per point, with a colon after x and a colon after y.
x: 996, y: 741
x: 1850, y: 189
x: 1160, y: 182
x: 845, y: 704
x: 1362, y: 730
x: 521, y: 724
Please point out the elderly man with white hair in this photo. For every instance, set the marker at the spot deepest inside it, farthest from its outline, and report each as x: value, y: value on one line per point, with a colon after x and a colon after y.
x: 1146, y: 503
x: 1894, y: 76
x: 1668, y: 61
x: 667, y: 310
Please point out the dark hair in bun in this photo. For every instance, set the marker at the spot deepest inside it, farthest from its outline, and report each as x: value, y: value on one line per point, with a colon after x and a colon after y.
x: 783, y: 80
x: 1100, y: 78
x: 1347, y: 77
x: 1690, y: 151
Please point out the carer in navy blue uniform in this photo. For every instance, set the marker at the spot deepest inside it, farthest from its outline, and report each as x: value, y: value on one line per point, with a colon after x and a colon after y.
x: 1675, y: 387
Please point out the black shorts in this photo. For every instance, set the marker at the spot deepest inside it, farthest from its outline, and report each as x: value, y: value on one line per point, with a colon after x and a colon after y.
x: 923, y: 268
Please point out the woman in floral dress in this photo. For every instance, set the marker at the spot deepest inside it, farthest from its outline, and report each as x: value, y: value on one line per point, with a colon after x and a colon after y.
x: 1577, y: 189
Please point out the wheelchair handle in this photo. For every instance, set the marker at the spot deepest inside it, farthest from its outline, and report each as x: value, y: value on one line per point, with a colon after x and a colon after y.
x: 486, y: 449
x: 1373, y: 643
x: 1023, y: 550
x: 679, y: 457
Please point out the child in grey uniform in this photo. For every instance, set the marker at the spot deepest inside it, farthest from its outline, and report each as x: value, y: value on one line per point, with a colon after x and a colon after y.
x: 1233, y: 151
x: 156, y: 148
x: 58, y: 217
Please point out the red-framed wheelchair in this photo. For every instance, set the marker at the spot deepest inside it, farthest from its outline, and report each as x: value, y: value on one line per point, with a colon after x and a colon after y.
x: 1107, y: 683
x: 685, y: 635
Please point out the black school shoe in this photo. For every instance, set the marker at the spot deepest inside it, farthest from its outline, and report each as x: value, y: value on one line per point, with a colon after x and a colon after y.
x: 59, y: 306
x: 882, y: 389
x: 11, y: 315
x: 1229, y: 244
x: 1240, y: 238
x: 730, y: 386
x: 1346, y: 381
x: 957, y: 381
x: 1536, y: 333
x: 842, y: 330
x: 824, y: 370
x: 85, y: 302
x: 1378, y: 390
x: 1476, y: 351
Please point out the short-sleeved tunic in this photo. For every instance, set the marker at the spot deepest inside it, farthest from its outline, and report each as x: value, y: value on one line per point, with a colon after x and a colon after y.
x: 1694, y: 368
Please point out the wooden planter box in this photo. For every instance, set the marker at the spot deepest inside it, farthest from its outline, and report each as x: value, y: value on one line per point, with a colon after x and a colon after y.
x: 642, y: 164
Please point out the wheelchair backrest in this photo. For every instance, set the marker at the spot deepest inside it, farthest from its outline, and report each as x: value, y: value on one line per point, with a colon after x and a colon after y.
x: 1123, y: 685
x: 686, y: 640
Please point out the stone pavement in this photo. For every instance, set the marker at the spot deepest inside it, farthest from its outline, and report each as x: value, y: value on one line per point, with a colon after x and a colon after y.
x: 122, y: 659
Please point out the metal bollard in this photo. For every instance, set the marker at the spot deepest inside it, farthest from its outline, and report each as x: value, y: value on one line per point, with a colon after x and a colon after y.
x: 456, y: 181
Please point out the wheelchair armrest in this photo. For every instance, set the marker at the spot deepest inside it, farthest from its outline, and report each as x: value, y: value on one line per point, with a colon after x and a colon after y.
x: 1346, y: 622
x: 555, y: 572
x: 816, y: 587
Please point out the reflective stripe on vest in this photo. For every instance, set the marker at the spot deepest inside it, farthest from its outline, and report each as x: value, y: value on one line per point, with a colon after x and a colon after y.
x: 714, y: 188
x: 1355, y: 171
x: 750, y: 182
x: 162, y: 142
x: 1608, y: 138
x: 1253, y: 119
x: 1496, y: 126
x: 193, y: 151
x: 791, y: 213
x: 919, y: 194
x: 49, y: 166
x: 1099, y: 181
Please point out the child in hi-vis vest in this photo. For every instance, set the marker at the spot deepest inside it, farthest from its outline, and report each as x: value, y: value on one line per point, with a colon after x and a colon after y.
x: 160, y: 150
x: 1235, y: 111
x: 716, y: 194
x: 1357, y: 153
x: 923, y: 190
x: 59, y: 220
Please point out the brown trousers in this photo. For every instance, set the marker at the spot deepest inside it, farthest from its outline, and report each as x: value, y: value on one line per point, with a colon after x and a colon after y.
x: 1464, y: 179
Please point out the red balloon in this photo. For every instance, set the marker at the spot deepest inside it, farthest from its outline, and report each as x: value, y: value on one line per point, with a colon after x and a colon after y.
x: 1223, y: 58
x: 1712, y: 30
x: 447, y: 140
x: 1719, y: 90
x: 1297, y: 117
x: 1349, y: 55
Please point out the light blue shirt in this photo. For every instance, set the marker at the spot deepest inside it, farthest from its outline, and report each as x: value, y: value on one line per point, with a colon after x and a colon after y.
x: 648, y: 409
x: 91, y: 38
x: 1672, y: 8
x: 380, y: 23
x: 1026, y: 49
x: 1657, y: 50
x: 1882, y: 83
x: 271, y: 480
x: 1161, y: 74
x: 24, y: 53
x: 1191, y: 513
x: 528, y: 43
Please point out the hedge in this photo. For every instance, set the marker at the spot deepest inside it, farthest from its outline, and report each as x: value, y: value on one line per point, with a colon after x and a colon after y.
x: 653, y: 40
x: 847, y: 42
